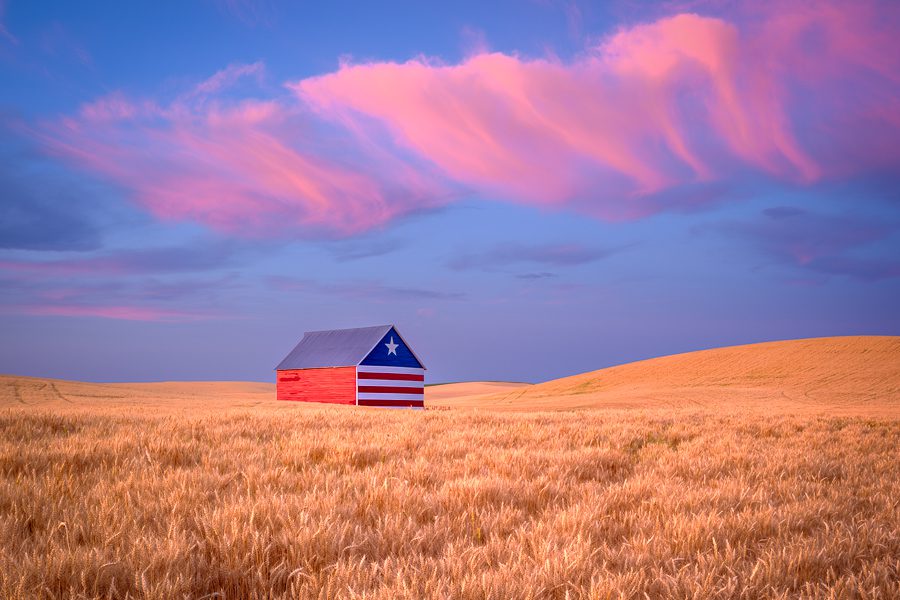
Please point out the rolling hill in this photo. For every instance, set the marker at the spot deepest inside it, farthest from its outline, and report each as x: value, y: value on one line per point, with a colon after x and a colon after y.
x: 837, y: 375
x: 858, y: 375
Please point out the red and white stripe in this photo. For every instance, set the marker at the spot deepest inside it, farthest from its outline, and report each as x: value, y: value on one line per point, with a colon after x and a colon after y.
x: 390, y: 386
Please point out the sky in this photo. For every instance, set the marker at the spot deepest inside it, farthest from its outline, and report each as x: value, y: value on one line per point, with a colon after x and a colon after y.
x: 527, y: 189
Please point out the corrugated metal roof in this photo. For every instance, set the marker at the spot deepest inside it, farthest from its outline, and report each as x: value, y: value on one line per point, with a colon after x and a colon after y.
x: 333, y: 348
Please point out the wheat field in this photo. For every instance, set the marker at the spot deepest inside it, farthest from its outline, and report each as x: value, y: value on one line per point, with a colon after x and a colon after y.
x: 172, y: 497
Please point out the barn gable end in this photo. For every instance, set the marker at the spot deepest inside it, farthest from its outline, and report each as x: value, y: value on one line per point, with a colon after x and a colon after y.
x: 392, y: 351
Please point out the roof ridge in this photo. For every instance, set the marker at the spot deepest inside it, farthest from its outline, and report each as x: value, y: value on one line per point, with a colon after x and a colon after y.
x: 350, y: 328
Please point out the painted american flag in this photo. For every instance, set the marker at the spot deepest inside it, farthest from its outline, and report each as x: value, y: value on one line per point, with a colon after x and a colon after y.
x: 390, y: 386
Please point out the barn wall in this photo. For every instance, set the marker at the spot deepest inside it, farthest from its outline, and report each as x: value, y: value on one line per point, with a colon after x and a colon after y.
x: 332, y: 385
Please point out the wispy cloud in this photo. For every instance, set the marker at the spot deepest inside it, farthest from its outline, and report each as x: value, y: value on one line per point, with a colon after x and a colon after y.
x: 125, y: 313
x: 826, y: 244
x: 173, y: 259
x: 4, y: 31
x: 141, y: 299
x: 657, y: 116
x: 250, y: 12
x: 248, y: 167
x: 557, y: 255
x: 195, y: 280
x: 358, y: 249
x: 56, y: 40
x: 48, y: 208
x: 684, y: 100
x: 865, y: 269
x: 32, y: 219
x: 370, y: 290
x: 228, y: 77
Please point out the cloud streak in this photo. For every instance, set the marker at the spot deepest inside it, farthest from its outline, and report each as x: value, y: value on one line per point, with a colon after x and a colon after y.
x: 355, y: 290
x: 170, y: 283
x: 144, y: 299
x: 826, y: 244
x: 124, y: 313
x: 4, y: 32
x: 173, y: 259
x: 685, y: 100
x: 247, y: 167
x: 555, y: 255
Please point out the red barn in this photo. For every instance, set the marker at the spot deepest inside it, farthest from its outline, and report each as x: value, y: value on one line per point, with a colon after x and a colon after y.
x: 367, y: 366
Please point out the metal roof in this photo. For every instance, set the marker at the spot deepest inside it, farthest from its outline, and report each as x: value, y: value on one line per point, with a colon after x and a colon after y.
x: 334, y: 348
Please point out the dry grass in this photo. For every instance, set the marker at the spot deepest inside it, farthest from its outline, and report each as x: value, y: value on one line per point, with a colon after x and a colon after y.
x: 171, y: 397
x: 153, y: 495
x: 326, y: 503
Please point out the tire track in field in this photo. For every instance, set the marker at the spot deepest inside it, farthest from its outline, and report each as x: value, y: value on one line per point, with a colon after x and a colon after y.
x: 59, y: 394
x: 17, y: 393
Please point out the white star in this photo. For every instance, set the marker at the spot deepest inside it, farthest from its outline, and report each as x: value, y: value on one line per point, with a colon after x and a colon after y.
x: 392, y: 347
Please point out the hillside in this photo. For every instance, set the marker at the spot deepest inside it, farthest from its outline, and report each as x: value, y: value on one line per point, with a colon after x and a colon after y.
x: 33, y: 392
x: 836, y: 375
x: 840, y: 375
x: 761, y: 489
x: 37, y: 393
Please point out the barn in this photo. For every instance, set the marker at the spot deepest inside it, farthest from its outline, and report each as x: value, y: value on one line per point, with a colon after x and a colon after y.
x: 366, y: 366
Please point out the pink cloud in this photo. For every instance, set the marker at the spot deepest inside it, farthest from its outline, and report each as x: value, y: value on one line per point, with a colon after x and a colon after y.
x: 681, y: 101
x: 128, y: 313
x: 113, y: 107
x: 228, y: 76
x: 248, y: 167
x: 657, y: 116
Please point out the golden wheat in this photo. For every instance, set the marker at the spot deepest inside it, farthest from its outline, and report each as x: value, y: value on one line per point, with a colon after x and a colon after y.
x: 343, y: 503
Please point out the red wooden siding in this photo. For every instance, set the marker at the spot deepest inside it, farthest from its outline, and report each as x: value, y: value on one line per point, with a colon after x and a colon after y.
x: 335, y: 385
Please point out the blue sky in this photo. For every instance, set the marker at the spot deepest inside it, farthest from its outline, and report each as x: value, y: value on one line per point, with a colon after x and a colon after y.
x: 527, y: 190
